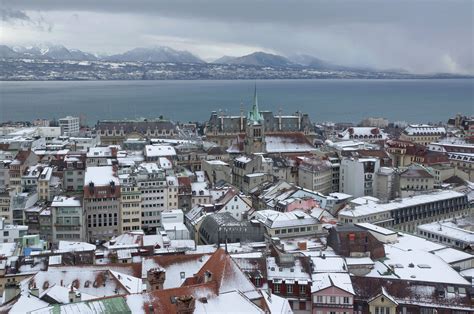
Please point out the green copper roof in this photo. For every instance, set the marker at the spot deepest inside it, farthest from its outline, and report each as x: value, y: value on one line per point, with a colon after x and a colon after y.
x: 107, y: 305
x: 254, y: 116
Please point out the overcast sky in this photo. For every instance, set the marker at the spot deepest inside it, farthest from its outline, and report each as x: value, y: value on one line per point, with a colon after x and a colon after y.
x: 417, y: 35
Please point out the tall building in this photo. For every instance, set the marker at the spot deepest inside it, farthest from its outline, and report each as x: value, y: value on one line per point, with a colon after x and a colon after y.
x: 130, y: 204
x: 151, y: 181
x: 102, y: 203
x: 357, y: 176
x: 67, y: 219
x: 69, y: 126
x: 255, y: 130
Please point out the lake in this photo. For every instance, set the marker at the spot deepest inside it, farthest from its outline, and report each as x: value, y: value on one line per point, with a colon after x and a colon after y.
x: 323, y: 100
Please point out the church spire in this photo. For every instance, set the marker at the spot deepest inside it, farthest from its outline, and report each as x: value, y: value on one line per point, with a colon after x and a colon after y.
x: 255, y: 116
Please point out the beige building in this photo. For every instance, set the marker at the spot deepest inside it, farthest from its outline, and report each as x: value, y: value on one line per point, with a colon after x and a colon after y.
x: 315, y: 174
x: 5, y: 207
x: 383, y: 303
x: 130, y: 208
x: 422, y: 133
x: 415, y: 180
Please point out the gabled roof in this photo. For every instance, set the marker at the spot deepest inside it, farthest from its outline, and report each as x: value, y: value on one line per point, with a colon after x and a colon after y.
x: 323, y: 281
x: 225, y: 272
x: 384, y: 293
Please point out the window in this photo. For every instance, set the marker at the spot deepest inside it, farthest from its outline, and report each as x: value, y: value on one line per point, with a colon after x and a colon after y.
x: 258, y: 282
x: 319, y: 299
x: 302, y: 289
x: 332, y: 299
x: 346, y: 300
x: 289, y: 289
x: 276, y: 288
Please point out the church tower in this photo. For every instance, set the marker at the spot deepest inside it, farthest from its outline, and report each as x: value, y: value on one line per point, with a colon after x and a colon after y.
x: 255, y: 132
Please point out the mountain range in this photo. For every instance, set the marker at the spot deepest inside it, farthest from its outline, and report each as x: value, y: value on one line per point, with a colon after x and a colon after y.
x: 161, y: 54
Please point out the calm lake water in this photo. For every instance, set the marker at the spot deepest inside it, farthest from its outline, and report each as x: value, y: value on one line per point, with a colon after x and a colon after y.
x: 323, y: 100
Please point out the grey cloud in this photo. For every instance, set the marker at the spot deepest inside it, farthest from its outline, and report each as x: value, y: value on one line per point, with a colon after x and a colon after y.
x: 425, y: 36
x: 14, y: 16
x: 8, y: 15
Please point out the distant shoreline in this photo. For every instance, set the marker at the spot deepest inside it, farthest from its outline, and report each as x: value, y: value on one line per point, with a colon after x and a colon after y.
x: 248, y: 79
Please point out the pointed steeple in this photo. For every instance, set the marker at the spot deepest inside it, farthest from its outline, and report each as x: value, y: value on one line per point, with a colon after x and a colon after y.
x: 255, y: 116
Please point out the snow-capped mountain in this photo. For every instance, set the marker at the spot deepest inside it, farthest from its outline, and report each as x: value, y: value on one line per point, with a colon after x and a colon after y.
x: 156, y: 54
x: 258, y: 59
x: 48, y: 51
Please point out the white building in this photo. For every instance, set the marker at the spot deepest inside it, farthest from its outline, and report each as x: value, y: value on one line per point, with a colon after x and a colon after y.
x: 69, y: 125
x: 357, y: 176
x: 287, y: 225
x: 11, y: 233
x: 447, y: 232
x: 172, y: 222
x: 152, y: 183
x: 408, y: 213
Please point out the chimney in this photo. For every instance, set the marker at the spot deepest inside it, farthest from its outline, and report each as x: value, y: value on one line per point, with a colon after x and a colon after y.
x: 185, y: 304
x: 72, y: 295
x: 35, y: 291
x: 156, y: 278
x: 12, y: 289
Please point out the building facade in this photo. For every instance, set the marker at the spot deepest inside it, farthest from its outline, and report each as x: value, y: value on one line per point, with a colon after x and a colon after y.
x: 68, y: 219
x: 102, y: 203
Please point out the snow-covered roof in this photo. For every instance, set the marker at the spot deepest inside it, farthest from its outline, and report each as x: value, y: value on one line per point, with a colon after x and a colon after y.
x: 99, y: 152
x: 328, y: 264
x: 200, y: 189
x: 374, y: 208
x: 189, y: 265
x: 323, y: 281
x: 415, y: 265
x: 411, y: 242
x: 165, y: 163
x: 217, y: 162
x: 27, y: 303
x: 451, y: 255
x: 275, y: 219
x: 61, y: 294
x: 448, y: 229
x: 67, y: 246
x: 352, y: 261
x: 132, y: 284
x: 375, y: 228
x: 101, y: 176
x: 287, y: 144
x: 96, y: 281
x: 159, y: 151
x: 243, y: 159
x: 424, y: 129
x: 7, y: 249
x: 277, y: 272
x: 276, y: 304
x: 64, y: 201
x: 363, y: 133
